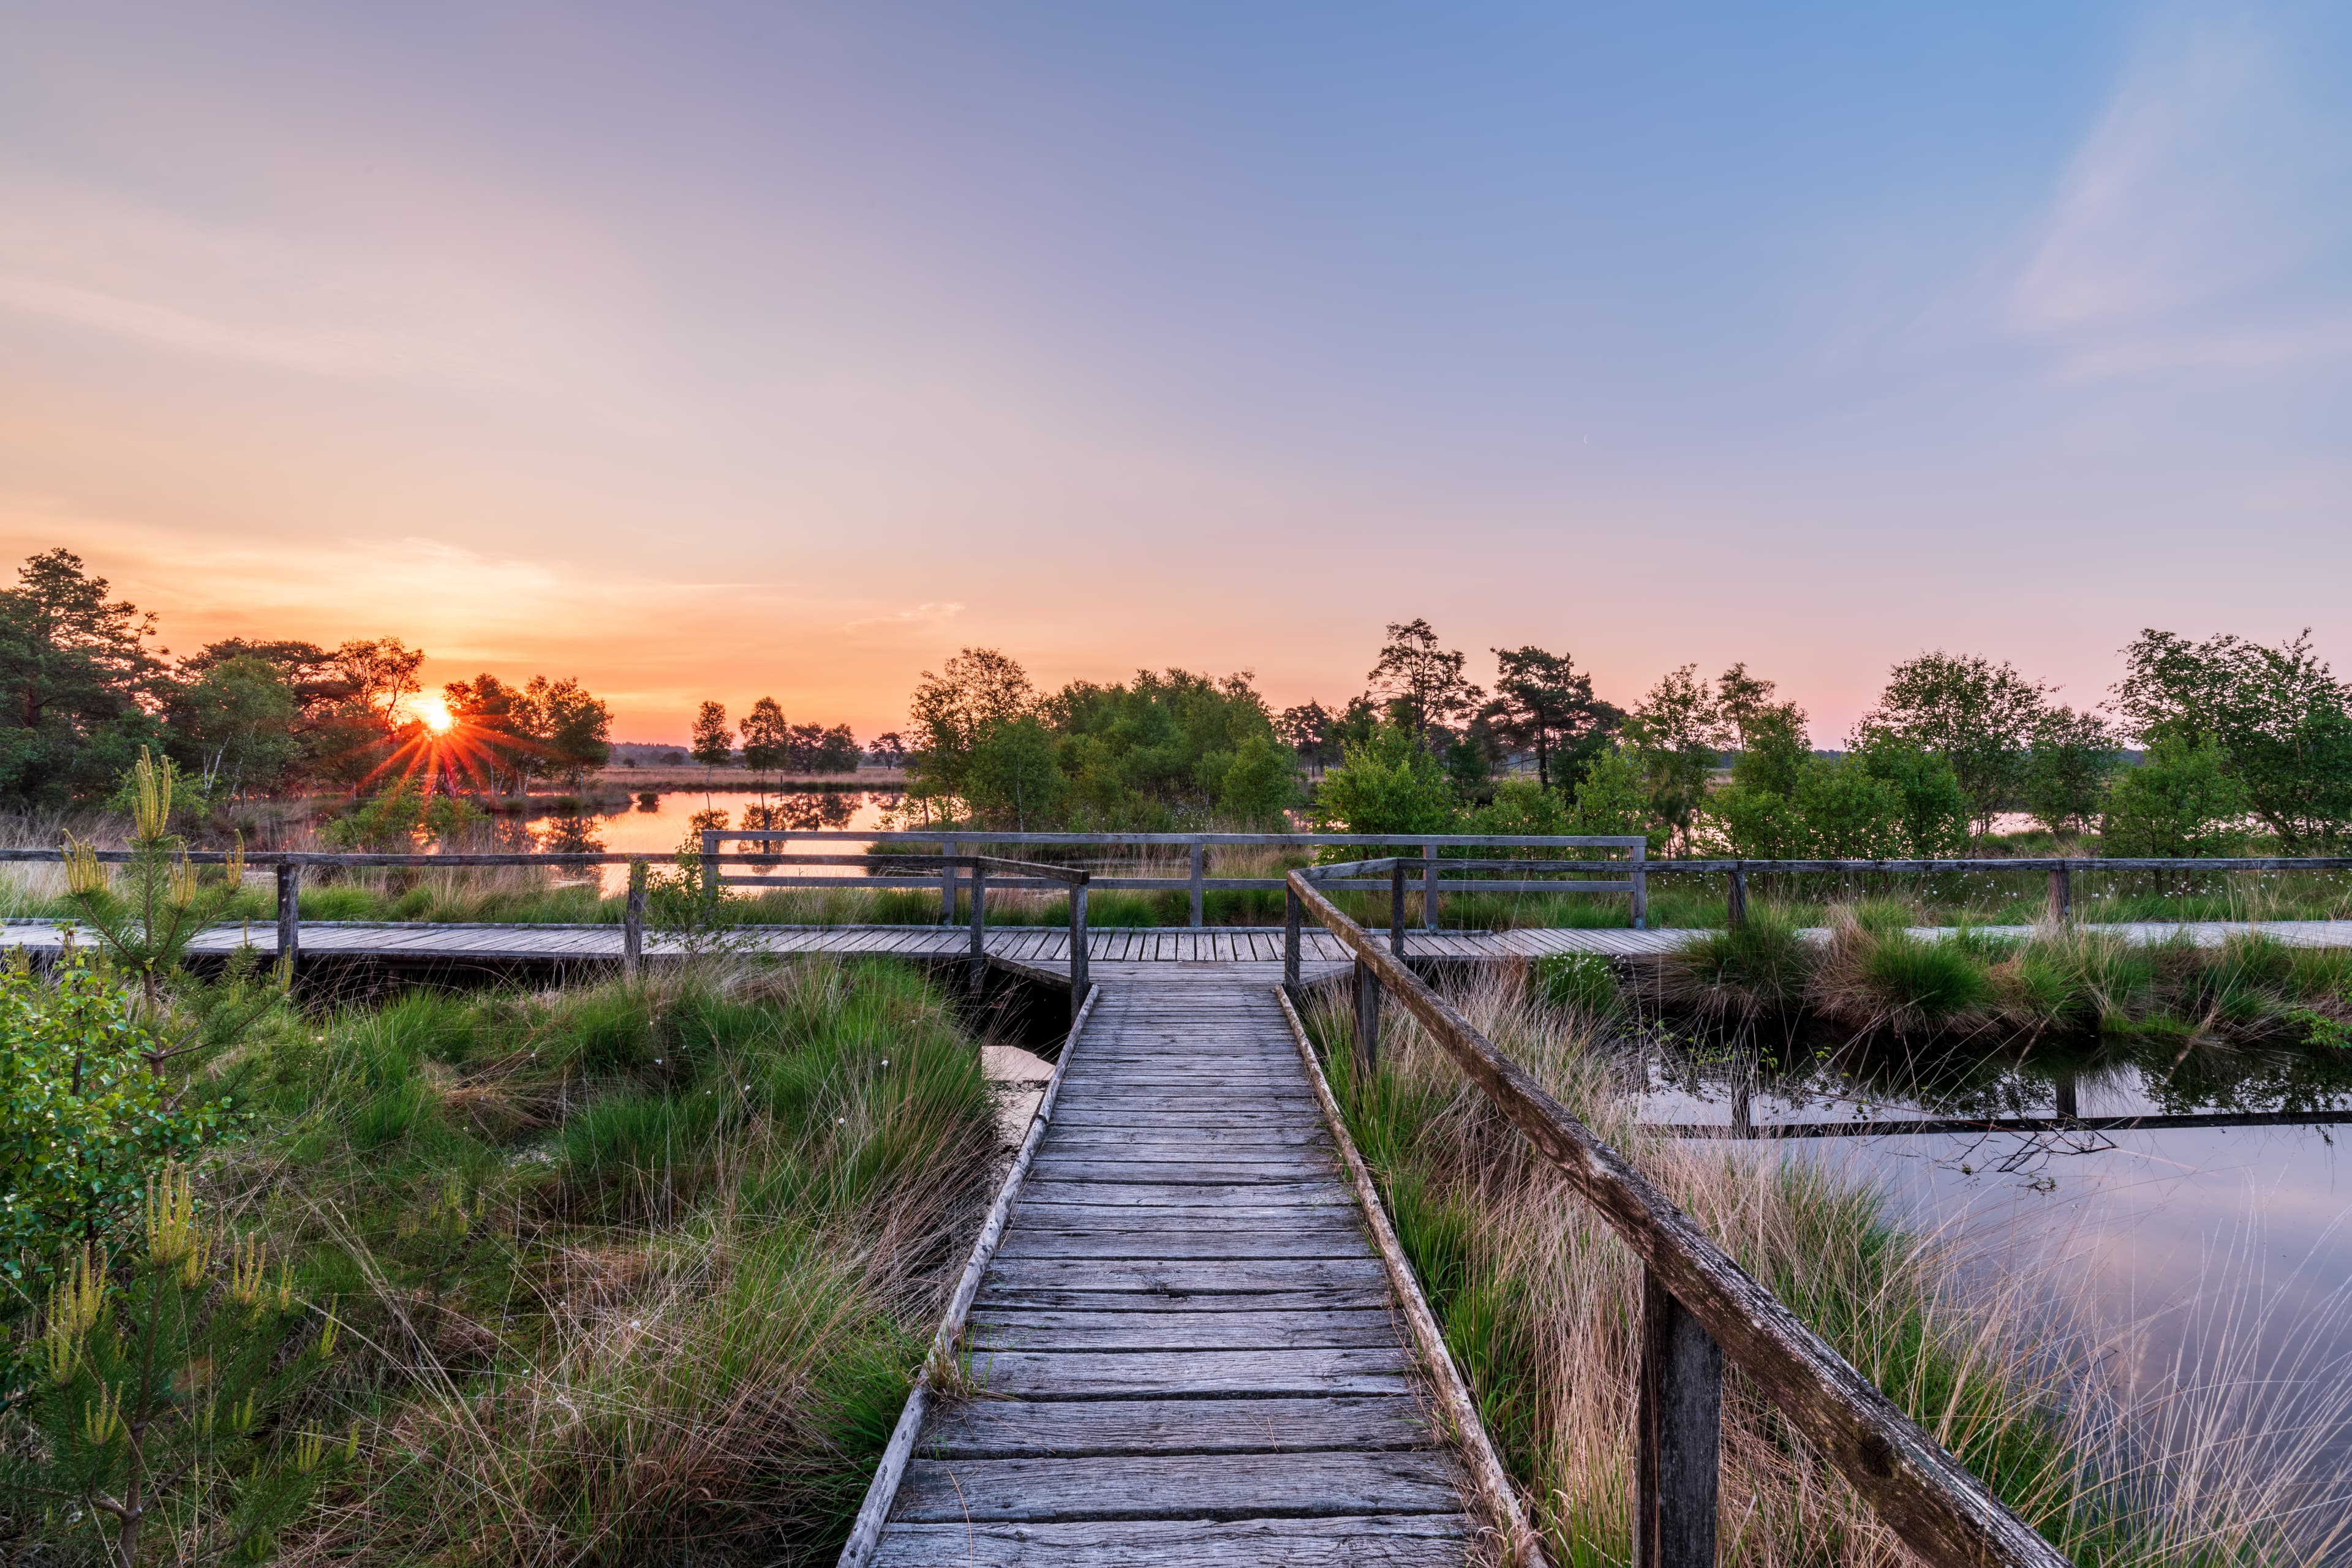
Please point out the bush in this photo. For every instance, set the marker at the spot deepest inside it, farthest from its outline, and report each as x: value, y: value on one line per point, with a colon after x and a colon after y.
x: 1615, y: 799
x: 1933, y: 808
x: 84, y: 1117
x: 1390, y: 784
x: 2184, y: 801
x: 1255, y: 783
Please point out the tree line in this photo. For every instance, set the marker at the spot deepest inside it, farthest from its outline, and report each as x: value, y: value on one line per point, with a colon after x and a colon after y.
x: 771, y: 745
x: 2238, y: 741
x: 83, y: 689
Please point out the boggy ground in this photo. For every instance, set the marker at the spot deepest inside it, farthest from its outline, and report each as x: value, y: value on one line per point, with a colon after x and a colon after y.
x: 632, y: 1273
x: 1875, y: 975
x: 1537, y: 1302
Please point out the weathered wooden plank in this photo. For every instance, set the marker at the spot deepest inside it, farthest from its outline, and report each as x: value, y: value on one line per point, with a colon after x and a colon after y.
x: 1323, y: 1298
x: 1924, y: 1496
x: 1213, y: 1137
x: 1270, y: 1197
x: 1172, y: 1148
x: 1188, y: 1374
x: 1017, y: 1428
x: 1174, y: 1115
x: 1308, y: 1237
x: 1411, y: 1540
x: 1334, y: 1212
x: 1196, y: 1172
x: 1181, y: 1278
x: 1176, y: 1486
x: 1237, y: 1330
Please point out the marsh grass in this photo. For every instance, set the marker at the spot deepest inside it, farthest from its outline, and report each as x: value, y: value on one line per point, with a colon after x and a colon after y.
x: 1536, y: 1296
x: 1875, y: 971
x: 634, y: 1273
x: 527, y: 895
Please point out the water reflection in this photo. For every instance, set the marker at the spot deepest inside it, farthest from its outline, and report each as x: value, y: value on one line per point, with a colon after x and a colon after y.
x: 662, y: 824
x: 2211, y: 1266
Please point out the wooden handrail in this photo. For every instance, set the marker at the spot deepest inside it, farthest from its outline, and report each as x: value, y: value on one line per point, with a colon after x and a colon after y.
x: 1925, y: 1496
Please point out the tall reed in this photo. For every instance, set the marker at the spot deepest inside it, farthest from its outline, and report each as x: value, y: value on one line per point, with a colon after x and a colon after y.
x: 1536, y: 1298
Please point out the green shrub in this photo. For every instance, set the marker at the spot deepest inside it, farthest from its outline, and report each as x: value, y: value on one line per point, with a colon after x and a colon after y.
x: 2183, y: 801
x: 1390, y: 784
x: 84, y: 1117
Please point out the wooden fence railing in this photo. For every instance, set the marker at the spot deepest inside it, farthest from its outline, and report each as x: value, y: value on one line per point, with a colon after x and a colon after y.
x: 1621, y: 874
x: 980, y: 869
x: 1699, y: 1308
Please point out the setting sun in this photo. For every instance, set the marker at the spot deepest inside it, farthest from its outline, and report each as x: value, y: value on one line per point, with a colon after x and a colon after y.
x: 434, y: 715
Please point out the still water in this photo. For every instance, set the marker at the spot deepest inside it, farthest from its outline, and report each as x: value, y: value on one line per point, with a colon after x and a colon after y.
x: 674, y: 817
x: 2209, y: 1268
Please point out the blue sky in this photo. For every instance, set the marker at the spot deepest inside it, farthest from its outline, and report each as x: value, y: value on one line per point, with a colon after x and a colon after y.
x: 716, y: 351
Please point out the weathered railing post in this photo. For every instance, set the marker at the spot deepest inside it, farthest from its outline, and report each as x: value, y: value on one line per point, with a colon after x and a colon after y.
x: 1368, y: 1019
x: 1736, y: 913
x: 1396, y: 909
x: 1678, y: 1433
x: 1200, y: 871
x: 978, y: 926
x: 2069, y: 1103
x: 2061, y: 894
x: 290, y: 915
x: 1078, y: 948
x: 1640, y: 880
x: 948, y: 847
x: 1429, y: 889
x: 633, y: 923
x: 710, y: 867
x: 1293, y: 912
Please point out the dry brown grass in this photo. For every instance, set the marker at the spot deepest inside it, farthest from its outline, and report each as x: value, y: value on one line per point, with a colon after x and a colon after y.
x: 1538, y: 1299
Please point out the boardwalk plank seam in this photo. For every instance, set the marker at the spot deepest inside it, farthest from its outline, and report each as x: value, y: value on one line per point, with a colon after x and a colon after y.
x: 1140, y: 1307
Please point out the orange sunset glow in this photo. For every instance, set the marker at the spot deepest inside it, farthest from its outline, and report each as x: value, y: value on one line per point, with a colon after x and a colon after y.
x: 1093, y: 385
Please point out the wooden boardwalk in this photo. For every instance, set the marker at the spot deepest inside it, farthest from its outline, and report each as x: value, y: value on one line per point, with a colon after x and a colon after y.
x: 1186, y: 1349
x: 1049, y: 946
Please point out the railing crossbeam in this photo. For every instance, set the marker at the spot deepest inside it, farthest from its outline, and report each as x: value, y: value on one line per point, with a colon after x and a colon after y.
x: 1926, y: 1498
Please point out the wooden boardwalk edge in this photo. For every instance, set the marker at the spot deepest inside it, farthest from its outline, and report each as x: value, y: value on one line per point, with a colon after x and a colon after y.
x: 1461, y: 1424
x: 882, y: 1492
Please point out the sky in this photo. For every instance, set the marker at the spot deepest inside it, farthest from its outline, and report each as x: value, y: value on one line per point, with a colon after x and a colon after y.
x: 721, y: 350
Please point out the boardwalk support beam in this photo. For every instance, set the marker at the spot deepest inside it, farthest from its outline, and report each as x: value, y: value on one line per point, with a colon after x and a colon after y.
x: 1678, y: 1435
x: 979, y: 956
x: 1293, y: 912
x: 1396, y: 910
x: 632, y: 923
x: 1368, y: 1019
x: 1078, y: 984
x: 1923, y: 1495
x: 290, y: 917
